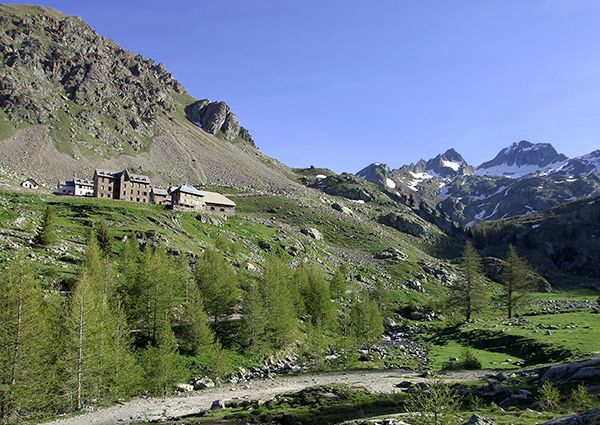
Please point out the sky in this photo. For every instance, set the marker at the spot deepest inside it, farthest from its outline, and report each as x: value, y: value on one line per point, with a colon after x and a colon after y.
x: 343, y: 83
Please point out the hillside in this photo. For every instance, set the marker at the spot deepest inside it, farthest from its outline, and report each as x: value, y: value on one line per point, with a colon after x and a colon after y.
x: 72, y: 100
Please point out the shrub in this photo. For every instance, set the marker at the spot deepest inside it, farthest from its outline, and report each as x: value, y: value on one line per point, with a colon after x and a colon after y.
x: 436, y: 404
x: 470, y: 362
x: 581, y: 398
x: 549, y: 396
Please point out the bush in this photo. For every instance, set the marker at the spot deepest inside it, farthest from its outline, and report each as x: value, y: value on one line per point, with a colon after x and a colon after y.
x: 436, y: 405
x: 470, y: 362
x: 549, y: 396
x: 581, y: 398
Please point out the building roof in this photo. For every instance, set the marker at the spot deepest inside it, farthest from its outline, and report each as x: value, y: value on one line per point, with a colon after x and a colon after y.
x: 111, y: 174
x: 189, y: 189
x: 159, y: 191
x: 138, y: 178
x: 30, y: 181
x: 66, y: 183
x: 217, y: 199
x: 81, y: 182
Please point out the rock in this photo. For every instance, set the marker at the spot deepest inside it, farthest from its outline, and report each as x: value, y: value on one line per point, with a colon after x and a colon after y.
x: 251, y: 267
x: 216, y: 118
x: 390, y: 254
x: 203, y: 383
x: 342, y: 208
x: 217, y: 405
x: 403, y: 223
x: 480, y: 420
x: 589, y: 417
x: 265, y: 246
x: 184, y: 388
x: 574, y: 373
x: 312, y: 232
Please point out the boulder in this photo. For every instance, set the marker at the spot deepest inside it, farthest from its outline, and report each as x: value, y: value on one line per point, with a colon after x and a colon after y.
x: 480, y: 420
x: 589, y: 417
x: 217, y: 405
x: 312, y: 232
x: 586, y: 371
x: 203, y: 383
x: 342, y: 208
x: 184, y: 388
x: 403, y: 224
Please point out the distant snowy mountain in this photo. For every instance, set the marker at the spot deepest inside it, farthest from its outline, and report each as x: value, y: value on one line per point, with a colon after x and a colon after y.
x: 521, y: 159
x: 581, y: 165
x: 523, y: 178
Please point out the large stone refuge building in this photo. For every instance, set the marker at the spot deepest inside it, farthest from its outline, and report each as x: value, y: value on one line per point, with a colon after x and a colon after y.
x: 188, y: 197
x: 122, y: 185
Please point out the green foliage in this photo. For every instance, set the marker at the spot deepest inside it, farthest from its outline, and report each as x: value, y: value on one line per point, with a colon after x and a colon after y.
x: 163, y: 367
x: 47, y: 234
x: 517, y: 284
x: 316, y: 296
x: 549, y: 396
x: 278, y: 300
x: 581, y: 398
x: 469, y: 295
x: 366, y: 321
x: 254, y: 320
x: 338, y: 282
x: 218, y: 284
x: 197, y: 334
x: 104, y: 238
x: 25, y: 345
x: 467, y: 361
x: 436, y: 405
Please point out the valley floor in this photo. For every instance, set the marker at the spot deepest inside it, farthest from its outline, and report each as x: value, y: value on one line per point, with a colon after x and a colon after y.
x: 155, y: 409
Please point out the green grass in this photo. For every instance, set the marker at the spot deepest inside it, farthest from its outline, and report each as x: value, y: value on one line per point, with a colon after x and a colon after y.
x: 489, y: 359
x: 7, y: 128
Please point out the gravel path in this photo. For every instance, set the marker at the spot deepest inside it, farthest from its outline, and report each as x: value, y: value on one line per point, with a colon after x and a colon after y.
x: 140, y: 410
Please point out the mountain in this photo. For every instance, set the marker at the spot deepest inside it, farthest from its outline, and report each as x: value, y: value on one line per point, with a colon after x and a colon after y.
x: 581, y: 165
x: 379, y: 174
x: 448, y: 165
x: 72, y: 100
x: 521, y: 159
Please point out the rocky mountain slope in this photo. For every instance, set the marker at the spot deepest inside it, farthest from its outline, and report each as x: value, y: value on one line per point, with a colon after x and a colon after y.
x: 523, y: 178
x: 72, y: 100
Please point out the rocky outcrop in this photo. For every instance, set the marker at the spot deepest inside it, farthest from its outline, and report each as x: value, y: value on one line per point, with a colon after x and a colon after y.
x: 589, y: 417
x: 403, y: 223
x: 575, y: 373
x: 217, y: 119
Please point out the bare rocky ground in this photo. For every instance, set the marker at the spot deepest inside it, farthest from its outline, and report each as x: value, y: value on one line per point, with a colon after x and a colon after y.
x: 153, y: 409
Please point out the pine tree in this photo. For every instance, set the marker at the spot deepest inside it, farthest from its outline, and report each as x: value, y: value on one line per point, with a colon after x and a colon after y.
x: 469, y: 293
x: 316, y: 296
x: 25, y: 345
x: 98, y: 363
x: 338, y: 283
x: 47, y: 234
x: 197, y: 333
x: 517, y: 284
x: 280, y: 311
x: 366, y: 321
x: 104, y: 239
x: 157, y: 292
x: 217, y: 283
x: 254, y: 324
x: 163, y: 366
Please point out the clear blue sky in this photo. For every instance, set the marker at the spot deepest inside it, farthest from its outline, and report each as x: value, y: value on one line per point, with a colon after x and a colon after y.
x: 345, y: 83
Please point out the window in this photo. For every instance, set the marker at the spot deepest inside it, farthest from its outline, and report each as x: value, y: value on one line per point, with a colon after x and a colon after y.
x: 222, y: 209
x: 137, y: 199
x: 145, y: 193
x: 212, y: 208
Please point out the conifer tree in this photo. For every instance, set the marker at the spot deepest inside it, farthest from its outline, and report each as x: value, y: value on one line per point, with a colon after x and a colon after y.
x: 25, y: 344
x: 98, y: 363
x: 366, y: 321
x: 254, y: 322
x: 104, y: 238
x: 338, y: 283
x: 197, y: 332
x: 163, y: 366
x: 517, y: 284
x: 469, y: 293
x: 217, y: 283
x: 280, y: 311
x: 47, y: 233
x: 316, y: 296
x: 128, y: 269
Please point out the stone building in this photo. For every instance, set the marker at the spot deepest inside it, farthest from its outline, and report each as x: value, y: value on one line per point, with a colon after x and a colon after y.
x: 122, y: 185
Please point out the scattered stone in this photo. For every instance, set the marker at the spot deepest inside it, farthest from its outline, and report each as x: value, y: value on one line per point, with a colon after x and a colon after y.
x: 312, y: 232
x: 480, y: 420
x: 217, y: 405
x: 203, y: 383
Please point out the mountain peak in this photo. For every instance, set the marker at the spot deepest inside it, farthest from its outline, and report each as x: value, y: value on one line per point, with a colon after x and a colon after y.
x: 521, y: 159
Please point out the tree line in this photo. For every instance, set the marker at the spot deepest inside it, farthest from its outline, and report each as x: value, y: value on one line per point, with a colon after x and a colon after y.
x: 133, y: 323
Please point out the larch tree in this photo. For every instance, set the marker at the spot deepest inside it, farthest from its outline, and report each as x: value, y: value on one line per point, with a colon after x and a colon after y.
x: 196, y: 333
x: 104, y: 238
x: 47, y: 234
x: 366, y: 321
x: 338, y: 282
x: 162, y: 364
x: 517, y: 284
x: 218, y: 286
x: 254, y: 324
x: 469, y: 294
x: 316, y: 296
x: 25, y: 344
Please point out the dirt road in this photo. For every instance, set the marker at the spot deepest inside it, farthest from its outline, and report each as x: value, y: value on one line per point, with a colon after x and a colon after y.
x: 140, y: 410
